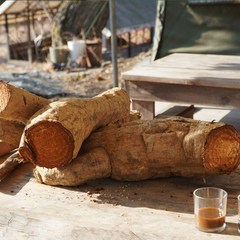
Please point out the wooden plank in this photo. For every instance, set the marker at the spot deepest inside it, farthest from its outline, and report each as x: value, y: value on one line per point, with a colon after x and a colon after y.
x: 190, y: 69
x: 192, y: 64
x: 213, y: 78
x: 196, y: 60
x: 148, y: 91
x: 107, y: 209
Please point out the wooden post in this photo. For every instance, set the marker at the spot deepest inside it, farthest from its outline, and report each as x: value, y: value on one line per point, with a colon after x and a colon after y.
x: 7, y: 37
x: 129, y: 45
x: 151, y: 35
x: 146, y: 108
x: 29, y: 34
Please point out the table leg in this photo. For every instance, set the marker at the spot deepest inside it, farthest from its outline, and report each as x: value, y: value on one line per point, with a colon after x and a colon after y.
x: 146, y: 108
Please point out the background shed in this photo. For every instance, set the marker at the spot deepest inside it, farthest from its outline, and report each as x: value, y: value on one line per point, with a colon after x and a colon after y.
x: 24, y: 14
x: 135, y: 21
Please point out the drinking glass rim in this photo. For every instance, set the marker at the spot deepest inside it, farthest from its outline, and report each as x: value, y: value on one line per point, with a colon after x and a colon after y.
x: 215, y: 188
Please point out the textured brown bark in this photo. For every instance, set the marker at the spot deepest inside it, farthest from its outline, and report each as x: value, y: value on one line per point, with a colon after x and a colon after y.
x: 10, y: 135
x: 5, y: 148
x: 54, y: 135
x: 10, y: 162
x: 17, y: 104
x: 16, y: 107
x: 92, y: 165
x: 141, y: 150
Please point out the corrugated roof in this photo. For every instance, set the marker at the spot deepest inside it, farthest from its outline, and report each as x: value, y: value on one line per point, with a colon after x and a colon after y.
x: 130, y: 14
x: 16, y: 6
x: 133, y: 14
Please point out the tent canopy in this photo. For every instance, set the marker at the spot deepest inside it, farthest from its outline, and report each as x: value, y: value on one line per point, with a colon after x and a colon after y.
x: 197, y: 26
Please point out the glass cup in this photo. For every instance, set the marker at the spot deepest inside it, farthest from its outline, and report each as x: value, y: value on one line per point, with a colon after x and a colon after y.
x: 210, y: 206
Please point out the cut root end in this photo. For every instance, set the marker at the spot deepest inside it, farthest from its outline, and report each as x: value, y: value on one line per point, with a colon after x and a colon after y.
x: 48, y: 144
x: 222, y: 149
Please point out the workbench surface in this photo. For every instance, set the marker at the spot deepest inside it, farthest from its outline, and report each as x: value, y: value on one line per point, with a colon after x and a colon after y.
x: 107, y: 209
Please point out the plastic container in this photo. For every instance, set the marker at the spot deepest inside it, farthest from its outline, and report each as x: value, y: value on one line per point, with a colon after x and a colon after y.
x: 77, y: 48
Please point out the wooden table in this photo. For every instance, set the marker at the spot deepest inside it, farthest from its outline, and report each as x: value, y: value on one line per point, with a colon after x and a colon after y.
x: 109, y: 210
x: 212, y: 80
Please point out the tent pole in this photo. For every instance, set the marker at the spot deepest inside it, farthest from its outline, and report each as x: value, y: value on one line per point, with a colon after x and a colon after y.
x: 7, y: 37
x: 112, y: 6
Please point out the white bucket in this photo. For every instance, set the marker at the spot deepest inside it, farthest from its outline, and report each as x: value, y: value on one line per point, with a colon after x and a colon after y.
x: 77, y: 48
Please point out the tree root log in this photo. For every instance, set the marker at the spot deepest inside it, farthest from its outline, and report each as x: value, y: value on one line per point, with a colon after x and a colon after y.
x: 10, y: 135
x: 142, y: 150
x: 16, y: 107
x: 92, y: 165
x: 17, y: 104
x: 54, y: 135
x: 11, y: 162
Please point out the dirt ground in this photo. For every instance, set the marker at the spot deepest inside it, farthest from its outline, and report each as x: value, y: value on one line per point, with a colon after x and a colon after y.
x: 44, y: 80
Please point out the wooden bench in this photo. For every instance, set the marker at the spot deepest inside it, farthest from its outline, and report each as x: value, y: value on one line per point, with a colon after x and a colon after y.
x: 212, y: 80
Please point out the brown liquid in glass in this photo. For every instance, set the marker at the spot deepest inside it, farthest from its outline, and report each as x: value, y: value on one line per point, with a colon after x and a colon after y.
x: 210, y: 218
